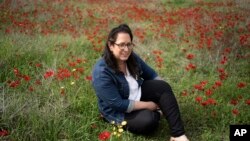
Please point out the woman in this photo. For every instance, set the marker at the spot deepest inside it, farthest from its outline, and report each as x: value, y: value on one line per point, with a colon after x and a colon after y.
x: 129, y: 90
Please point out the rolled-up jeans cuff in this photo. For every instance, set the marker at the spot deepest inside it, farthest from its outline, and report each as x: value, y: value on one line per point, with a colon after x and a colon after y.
x: 178, y: 134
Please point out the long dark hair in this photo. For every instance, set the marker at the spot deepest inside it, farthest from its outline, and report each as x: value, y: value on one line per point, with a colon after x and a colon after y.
x: 109, y: 57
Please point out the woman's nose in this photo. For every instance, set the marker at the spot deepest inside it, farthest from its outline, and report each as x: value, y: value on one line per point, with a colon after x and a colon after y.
x: 126, y: 48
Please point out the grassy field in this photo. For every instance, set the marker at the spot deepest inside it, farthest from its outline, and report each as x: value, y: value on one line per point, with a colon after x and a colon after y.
x: 48, y: 49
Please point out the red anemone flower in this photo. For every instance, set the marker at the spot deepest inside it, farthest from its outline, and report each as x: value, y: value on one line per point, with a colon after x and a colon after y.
x: 190, y: 56
x: 241, y: 84
x: 105, y: 135
x: 198, y: 99
x: 209, y: 92
x: 89, y: 78
x: 248, y: 102
x: 234, y: 102
x: 48, y: 74
x: 235, y: 111
x: 3, y: 133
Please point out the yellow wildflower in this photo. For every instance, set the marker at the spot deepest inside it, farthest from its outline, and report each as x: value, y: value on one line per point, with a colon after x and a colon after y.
x: 120, y: 130
x: 124, y: 123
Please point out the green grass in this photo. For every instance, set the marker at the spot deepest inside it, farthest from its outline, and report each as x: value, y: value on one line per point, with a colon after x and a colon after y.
x: 53, y: 109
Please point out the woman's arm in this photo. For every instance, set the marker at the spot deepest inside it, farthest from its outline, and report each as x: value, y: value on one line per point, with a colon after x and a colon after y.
x: 107, y: 91
x: 138, y: 105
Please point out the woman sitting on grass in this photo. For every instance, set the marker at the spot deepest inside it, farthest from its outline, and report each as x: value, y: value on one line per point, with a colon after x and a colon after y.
x: 129, y: 90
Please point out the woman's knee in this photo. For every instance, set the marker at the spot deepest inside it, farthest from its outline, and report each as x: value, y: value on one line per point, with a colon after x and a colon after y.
x: 156, y: 85
x: 146, y: 122
x: 164, y: 85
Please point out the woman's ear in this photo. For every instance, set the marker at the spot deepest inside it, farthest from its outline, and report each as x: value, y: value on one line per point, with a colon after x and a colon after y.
x: 110, y: 46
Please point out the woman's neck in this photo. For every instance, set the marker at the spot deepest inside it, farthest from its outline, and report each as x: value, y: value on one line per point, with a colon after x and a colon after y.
x: 120, y: 63
x: 122, y: 67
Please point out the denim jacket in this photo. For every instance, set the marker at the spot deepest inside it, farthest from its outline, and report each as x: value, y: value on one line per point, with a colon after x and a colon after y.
x: 112, y: 89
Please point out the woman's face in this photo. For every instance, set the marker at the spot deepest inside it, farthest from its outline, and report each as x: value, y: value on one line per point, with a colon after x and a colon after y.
x: 122, y: 47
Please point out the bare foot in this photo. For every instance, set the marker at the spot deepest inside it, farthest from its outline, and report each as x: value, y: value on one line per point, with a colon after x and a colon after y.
x: 180, y: 138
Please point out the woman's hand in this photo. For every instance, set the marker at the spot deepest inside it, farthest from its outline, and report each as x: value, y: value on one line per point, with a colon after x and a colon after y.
x: 152, y: 106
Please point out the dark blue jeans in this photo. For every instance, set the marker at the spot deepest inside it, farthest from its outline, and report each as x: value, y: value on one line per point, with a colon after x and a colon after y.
x: 146, y: 121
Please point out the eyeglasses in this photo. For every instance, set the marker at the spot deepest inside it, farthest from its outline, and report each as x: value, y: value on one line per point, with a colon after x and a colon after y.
x: 123, y: 45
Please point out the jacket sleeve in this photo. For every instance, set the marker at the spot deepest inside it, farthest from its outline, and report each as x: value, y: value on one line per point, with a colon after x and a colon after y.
x: 107, y: 91
x: 147, y: 73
